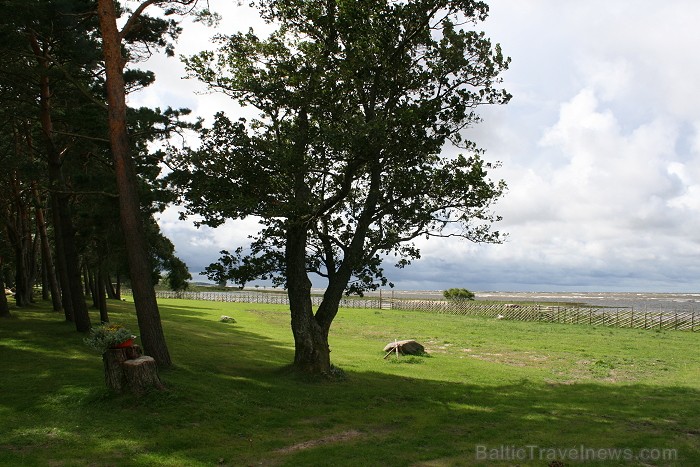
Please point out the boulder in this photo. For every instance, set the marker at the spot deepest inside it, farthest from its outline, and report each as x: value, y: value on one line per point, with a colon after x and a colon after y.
x: 407, y: 347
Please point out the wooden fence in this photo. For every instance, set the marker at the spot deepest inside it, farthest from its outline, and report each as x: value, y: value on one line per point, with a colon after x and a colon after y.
x: 617, y: 317
x: 258, y: 297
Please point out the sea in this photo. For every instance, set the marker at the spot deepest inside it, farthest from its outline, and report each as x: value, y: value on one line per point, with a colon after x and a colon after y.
x: 638, y: 301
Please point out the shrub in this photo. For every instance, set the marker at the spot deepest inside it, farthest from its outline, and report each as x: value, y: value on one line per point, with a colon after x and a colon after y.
x: 458, y: 294
x: 106, y: 336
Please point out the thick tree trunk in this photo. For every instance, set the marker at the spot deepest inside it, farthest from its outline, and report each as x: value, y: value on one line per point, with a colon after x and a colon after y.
x: 140, y: 268
x: 311, y: 350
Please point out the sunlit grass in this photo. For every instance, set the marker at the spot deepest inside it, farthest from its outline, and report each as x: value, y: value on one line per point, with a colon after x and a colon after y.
x: 231, y: 399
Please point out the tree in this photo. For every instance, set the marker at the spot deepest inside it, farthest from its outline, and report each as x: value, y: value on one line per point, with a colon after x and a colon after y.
x: 458, y: 294
x: 139, y: 28
x: 43, y: 41
x: 344, y: 164
x: 53, y: 130
x: 4, y: 307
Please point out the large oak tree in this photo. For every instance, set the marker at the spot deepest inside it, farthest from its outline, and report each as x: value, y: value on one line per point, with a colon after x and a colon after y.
x: 344, y: 164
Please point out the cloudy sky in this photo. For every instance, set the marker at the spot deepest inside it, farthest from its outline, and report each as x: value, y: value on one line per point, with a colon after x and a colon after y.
x: 600, y: 148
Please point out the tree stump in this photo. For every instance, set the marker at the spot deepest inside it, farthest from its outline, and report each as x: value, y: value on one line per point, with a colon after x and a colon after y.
x: 141, y: 374
x: 114, y: 374
x: 127, y: 370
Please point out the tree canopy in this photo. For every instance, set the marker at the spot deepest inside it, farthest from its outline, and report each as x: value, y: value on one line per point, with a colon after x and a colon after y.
x: 458, y: 294
x: 344, y: 163
x: 58, y: 184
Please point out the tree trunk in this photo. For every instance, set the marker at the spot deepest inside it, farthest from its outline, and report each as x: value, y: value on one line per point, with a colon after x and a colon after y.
x: 140, y: 269
x: 66, y: 231
x: 4, y: 306
x: 46, y: 256
x: 87, y: 284
x: 101, y: 294
x: 45, y: 294
x: 89, y: 281
x: 48, y: 270
x: 113, y: 360
x: 141, y: 375
x: 111, y: 293
x: 70, y: 256
x: 60, y: 200
x: 20, y: 235
x: 118, y: 288
x: 61, y: 267
x: 311, y: 350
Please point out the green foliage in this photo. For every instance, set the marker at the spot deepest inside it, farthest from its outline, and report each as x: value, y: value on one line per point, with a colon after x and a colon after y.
x: 458, y: 294
x: 106, y: 336
x: 357, y: 100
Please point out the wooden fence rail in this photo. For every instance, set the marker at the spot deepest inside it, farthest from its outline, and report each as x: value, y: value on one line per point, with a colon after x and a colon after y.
x: 616, y: 317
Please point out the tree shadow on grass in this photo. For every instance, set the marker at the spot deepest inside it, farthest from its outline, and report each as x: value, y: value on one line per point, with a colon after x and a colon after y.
x: 229, y: 399
x: 405, y: 421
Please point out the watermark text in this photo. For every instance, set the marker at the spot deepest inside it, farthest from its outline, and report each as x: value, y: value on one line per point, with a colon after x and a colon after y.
x: 580, y: 453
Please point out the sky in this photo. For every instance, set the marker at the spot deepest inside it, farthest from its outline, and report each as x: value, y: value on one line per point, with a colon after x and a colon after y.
x: 600, y: 148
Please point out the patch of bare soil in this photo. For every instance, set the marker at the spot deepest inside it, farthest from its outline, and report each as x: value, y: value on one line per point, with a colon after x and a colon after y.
x: 335, y: 438
x: 521, y: 359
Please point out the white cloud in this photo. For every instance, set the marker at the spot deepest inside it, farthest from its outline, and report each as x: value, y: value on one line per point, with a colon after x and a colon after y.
x: 600, y: 148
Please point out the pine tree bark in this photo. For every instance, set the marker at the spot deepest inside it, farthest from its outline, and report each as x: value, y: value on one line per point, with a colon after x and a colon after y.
x: 140, y: 269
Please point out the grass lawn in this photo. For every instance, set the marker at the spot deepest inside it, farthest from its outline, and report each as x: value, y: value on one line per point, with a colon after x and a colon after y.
x: 490, y: 393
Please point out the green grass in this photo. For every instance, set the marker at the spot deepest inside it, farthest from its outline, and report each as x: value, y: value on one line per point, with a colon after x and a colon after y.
x: 231, y: 399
